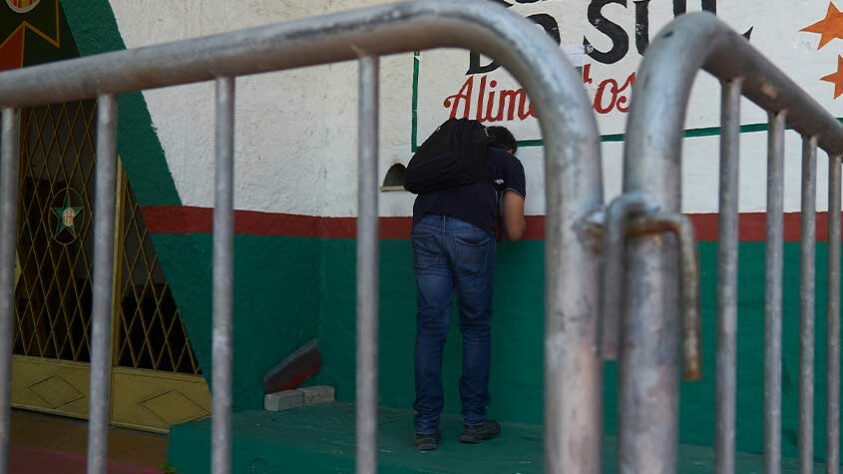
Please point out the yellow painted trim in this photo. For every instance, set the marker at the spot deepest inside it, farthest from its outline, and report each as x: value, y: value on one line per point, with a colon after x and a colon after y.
x: 159, y: 374
x: 132, y: 426
x: 119, y: 214
x: 135, y: 389
x: 13, y: 33
x: 117, y: 278
x: 23, y: 50
x: 53, y: 41
x: 30, y: 372
x: 152, y: 400
x: 51, y: 362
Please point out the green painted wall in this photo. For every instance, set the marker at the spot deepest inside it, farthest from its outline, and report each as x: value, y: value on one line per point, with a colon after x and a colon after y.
x: 276, y: 307
x: 518, y: 330
x: 517, y: 354
x: 95, y: 31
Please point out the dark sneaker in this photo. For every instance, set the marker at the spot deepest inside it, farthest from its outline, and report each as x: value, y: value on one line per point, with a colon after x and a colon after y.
x: 428, y: 442
x: 479, y: 433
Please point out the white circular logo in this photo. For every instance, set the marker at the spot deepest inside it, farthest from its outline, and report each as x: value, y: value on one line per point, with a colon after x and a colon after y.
x: 68, y: 216
x: 22, y: 6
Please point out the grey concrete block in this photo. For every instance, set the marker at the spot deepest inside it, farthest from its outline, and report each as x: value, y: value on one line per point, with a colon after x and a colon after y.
x: 286, y: 400
x: 318, y: 394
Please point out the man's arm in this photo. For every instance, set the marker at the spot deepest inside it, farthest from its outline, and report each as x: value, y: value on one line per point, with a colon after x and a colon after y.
x: 513, y: 215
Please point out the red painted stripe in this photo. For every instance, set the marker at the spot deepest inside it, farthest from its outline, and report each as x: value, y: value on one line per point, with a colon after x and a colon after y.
x: 29, y: 460
x: 11, y: 53
x: 177, y: 219
x: 199, y: 220
x: 752, y: 226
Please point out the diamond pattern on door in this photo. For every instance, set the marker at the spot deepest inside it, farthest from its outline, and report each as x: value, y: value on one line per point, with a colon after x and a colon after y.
x: 152, y: 334
x: 55, y: 238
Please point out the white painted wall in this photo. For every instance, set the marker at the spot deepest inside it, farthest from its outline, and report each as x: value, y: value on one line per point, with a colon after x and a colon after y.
x: 296, y: 133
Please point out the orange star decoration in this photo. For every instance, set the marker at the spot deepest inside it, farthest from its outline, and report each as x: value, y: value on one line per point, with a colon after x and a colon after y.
x: 829, y: 28
x: 836, y: 78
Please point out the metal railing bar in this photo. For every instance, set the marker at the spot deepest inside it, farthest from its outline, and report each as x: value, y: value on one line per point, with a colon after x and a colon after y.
x: 223, y: 275
x: 103, y: 276
x: 833, y: 319
x: 573, y: 179
x: 619, y: 226
x: 613, y: 293
x: 773, y: 295
x: 653, y: 164
x: 367, y: 267
x: 380, y: 30
x: 9, y: 165
x: 807, y: 284
x: 648, y: 419
x: 727, y: 277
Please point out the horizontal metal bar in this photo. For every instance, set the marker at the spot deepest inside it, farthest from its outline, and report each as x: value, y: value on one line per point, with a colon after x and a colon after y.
x: 106, y: 199
x: 9, y: 164
x: 382, y: 30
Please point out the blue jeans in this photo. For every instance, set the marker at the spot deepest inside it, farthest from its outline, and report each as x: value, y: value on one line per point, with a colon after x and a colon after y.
x: 450, y: 254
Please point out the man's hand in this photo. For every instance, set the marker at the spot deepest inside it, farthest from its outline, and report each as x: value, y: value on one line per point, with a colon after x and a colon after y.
x: 513, y: 215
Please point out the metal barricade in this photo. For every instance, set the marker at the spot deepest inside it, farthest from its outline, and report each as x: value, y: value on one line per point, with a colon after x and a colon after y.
x: 652, y: 173
x: 573, y: 420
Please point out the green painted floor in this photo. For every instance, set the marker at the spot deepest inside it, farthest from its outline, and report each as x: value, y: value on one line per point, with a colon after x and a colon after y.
x: 320, y: 439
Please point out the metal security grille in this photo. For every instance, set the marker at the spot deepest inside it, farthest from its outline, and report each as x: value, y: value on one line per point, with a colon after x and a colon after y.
x: 152, y: 334
x: 55, y: 247
x: 55, y: 242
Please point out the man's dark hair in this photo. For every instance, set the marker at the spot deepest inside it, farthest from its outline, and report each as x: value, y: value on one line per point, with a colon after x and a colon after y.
x: 502, y: 138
